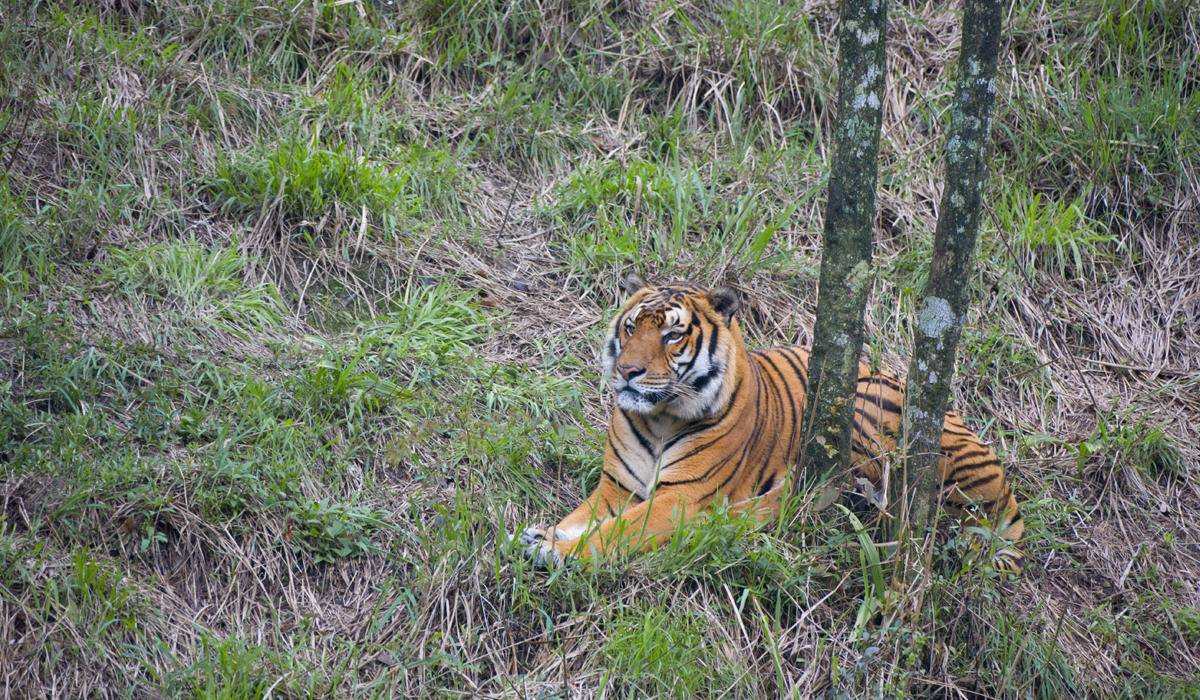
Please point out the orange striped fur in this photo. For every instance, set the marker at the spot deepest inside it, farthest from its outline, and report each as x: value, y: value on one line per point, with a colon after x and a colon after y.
x: 701, y: 420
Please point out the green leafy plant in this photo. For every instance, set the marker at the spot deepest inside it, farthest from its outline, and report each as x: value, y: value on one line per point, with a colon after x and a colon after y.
x: 331, y: 532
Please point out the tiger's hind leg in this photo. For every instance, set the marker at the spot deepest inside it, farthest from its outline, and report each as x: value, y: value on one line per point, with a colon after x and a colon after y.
x: 974, y: 481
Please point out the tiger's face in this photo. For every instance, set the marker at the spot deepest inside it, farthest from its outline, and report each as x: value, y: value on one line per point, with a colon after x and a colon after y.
x: 668, y: 349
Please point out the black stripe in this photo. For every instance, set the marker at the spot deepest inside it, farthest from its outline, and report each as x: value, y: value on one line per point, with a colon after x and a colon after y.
x: 696, y: 450
x: 753, y: 439
x: 867, y: 417
x: 960, y: 467
x: 702, y: 381
x: 980, y: 482
x: 718, y: 464
x: 961, y: 474
x: 772, y: 390
x: 762, y: 490
x: 782, y: 379
x: 687, y: 367
x: 617, y: 482
x: 699, y: 338
x: 613, y: 445
x: 754, y: 434
x: 700, y: 427
x: 879, y: 400
x: 968, y: 449
x: 881, y: 379
x: 797, y: 407
x: 801, y: 365
x: 732, y: 473
x: 711, y: 423
x: 638, y: 434
x: 791, y: 410
x: 733, y: 395
x: 974, y: 460
x: 783, y: 414
x: 712, y: 343
x: 696, y: 428
x: 707, y: 473
x: 964, y: 473
x: 794, y: 365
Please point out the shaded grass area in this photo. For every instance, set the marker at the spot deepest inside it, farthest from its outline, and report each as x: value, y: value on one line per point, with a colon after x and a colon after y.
x: 299, y: 313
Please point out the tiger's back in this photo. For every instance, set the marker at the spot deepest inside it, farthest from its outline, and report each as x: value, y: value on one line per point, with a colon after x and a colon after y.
x: 971, y: 475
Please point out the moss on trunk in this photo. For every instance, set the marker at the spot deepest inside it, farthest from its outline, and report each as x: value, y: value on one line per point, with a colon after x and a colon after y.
x: 846, y: 272
x: 944, y: 299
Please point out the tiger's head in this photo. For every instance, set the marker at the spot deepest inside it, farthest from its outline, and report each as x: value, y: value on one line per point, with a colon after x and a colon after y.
x: 670, y: 348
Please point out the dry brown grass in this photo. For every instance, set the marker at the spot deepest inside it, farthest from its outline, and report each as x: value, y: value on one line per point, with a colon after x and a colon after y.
x: 234, y: 599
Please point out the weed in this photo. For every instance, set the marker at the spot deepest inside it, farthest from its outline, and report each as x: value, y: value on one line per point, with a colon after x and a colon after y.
x: 302, y: 181
x: 1126, y: 441
x: 331, y: 532
x: 226, y: 669
x: 728, y: 549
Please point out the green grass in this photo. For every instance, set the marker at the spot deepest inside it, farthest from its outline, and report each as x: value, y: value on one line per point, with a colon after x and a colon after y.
x: 303, y: 183
x: 202, y: 286
x: 1096, y: 112
x: 646, y: 649
x: 648, y: 213
x: 226, y: 669
x: 299, y: 307
x: 1058, y: 234
x: 23, y: 254
x: 1128, y: 441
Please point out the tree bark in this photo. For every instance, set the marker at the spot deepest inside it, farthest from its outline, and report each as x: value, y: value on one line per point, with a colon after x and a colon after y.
x: 913, y: 497
x: 846, y: 272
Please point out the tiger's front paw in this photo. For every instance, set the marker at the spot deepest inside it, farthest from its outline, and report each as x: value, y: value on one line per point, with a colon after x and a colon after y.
x: 540, y: 547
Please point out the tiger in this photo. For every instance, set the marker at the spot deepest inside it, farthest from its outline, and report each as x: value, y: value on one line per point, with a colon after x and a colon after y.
x: 699, y: 420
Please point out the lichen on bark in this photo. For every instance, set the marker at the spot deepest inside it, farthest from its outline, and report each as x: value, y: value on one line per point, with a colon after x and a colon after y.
x: 846, y: 272
x: 944, y: 299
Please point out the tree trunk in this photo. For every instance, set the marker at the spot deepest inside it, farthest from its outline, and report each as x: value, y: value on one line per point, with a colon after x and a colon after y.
x: 846, y: 272
x: 944, y: 304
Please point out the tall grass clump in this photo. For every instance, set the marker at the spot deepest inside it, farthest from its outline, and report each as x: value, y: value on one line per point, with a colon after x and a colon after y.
x: 200, y: 283
x: 650, y: 650
x: 303, y: 183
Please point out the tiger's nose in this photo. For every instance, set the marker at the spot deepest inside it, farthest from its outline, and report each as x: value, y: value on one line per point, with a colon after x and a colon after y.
x: 630, y: 371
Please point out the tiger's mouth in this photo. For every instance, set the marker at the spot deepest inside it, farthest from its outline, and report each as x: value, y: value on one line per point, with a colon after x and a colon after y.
x: 643, y: 400
x: 654, y: 396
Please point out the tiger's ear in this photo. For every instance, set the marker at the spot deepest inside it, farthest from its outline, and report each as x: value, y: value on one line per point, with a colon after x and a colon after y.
x: 725, y: 301
x: 631, y: 283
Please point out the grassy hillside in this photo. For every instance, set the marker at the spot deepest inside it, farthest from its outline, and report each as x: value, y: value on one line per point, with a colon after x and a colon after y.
x: 300, y: 303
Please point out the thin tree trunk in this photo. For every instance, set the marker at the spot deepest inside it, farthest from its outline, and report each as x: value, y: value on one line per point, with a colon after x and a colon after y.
x: 944, y: 302
x: 846, y: 272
